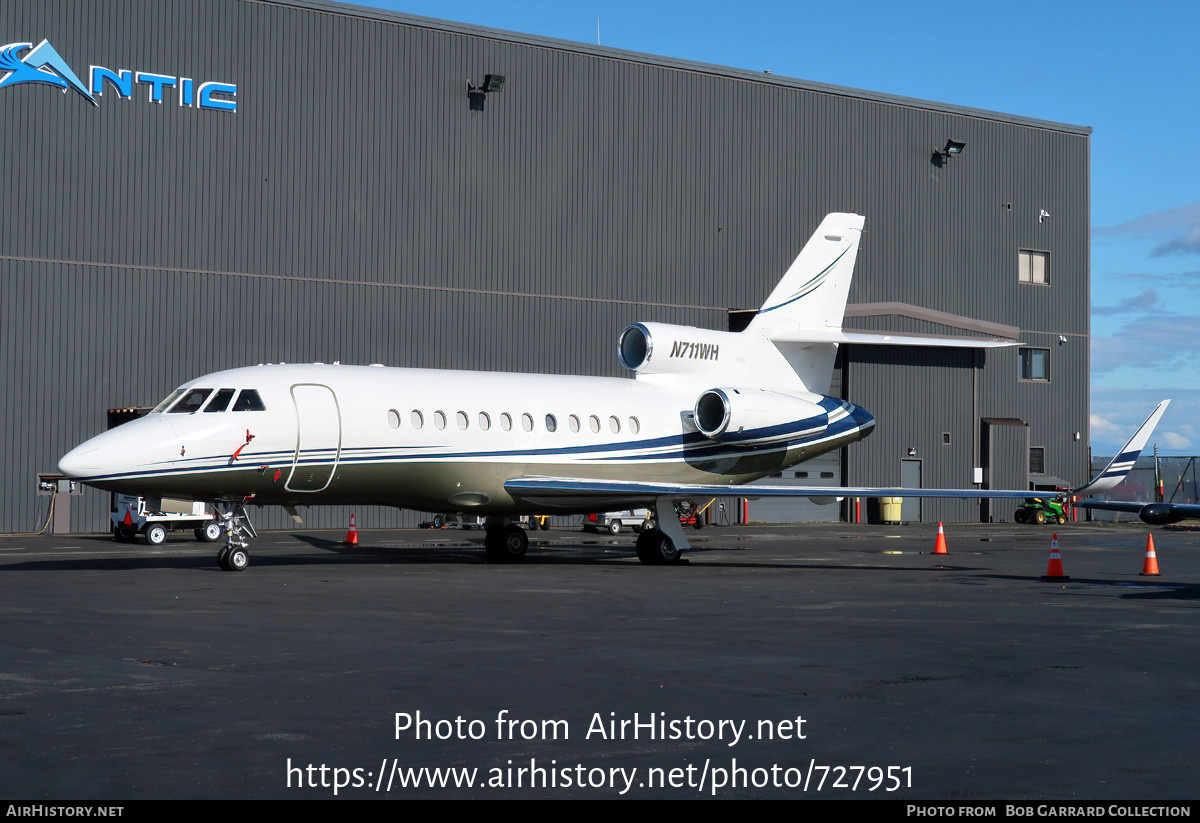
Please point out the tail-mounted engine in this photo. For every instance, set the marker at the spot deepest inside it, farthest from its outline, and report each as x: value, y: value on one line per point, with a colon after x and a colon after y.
x: 663, y: 348
x: 726, y: 413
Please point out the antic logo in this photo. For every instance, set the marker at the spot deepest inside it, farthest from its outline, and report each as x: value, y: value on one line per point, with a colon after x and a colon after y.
x: 43, y: 64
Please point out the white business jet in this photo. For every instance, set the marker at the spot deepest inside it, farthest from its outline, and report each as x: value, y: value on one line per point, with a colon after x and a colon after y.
x: 708, y: 411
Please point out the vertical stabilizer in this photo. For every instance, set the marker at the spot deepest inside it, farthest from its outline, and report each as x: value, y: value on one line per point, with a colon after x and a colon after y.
x: 813, y: 292
x: 812, y: 297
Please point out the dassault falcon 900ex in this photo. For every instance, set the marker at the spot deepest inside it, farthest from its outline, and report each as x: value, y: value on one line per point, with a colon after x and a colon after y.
x: 708, y: 410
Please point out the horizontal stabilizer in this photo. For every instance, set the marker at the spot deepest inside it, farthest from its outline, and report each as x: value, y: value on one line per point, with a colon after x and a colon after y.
x: 883, y: 339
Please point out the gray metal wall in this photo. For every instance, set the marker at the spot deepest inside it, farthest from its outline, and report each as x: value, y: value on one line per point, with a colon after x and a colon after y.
x: 356, y: 209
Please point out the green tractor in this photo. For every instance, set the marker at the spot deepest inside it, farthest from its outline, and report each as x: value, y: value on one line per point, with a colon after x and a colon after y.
x: 1038, y: 510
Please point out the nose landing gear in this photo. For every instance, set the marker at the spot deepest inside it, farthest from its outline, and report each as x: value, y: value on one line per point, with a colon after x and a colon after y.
x: 234, y: 556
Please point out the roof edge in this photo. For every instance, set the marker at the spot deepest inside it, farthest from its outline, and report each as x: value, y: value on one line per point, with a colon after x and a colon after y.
x: 608, y: 52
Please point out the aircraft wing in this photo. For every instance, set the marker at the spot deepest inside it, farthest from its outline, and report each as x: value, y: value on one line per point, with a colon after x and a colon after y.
x: 1156, y: 514
x: 622, y: 493
x: 625, y: 493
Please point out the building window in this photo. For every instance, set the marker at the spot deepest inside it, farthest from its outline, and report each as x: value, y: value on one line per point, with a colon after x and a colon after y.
x: 1033, y: 364
x: 1034, y: 267
x: 1037, y: 460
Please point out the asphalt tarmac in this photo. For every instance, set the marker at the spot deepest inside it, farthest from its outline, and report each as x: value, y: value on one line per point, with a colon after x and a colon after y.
x: 809, y: 661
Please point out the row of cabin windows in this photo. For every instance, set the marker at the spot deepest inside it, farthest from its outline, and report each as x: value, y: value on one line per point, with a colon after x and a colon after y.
x: 193, y: 399
x: 462, y: 420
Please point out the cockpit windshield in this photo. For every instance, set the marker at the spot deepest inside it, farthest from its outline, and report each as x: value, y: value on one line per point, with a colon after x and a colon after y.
x: 190, y: 402
x: 170, y: 398
x: 249, y: 400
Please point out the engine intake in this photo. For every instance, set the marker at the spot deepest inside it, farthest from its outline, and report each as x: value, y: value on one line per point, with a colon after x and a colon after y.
x: 722, y: 413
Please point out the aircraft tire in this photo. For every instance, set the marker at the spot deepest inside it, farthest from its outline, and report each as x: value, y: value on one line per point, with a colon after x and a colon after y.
x: 506, y: 545
x: 223, y: 559
x: 656, y: 549
x: 156, y: 534
x: 237, y: 560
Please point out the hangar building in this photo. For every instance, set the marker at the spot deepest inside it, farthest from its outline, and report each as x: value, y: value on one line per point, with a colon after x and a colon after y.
x: 199, y: 184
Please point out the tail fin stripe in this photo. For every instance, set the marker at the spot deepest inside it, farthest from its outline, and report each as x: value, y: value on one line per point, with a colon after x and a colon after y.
x: 810, y: 286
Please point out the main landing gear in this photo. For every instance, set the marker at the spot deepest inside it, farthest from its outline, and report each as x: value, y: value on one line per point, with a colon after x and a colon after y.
x: 234, y: 556
x: 666, y: 542
x: 505, y: 542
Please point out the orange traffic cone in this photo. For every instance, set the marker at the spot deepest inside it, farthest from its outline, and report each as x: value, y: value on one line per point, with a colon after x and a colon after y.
x: 1055, y: 570
x: 940, y: 546
x: 1151, y: 564
x: 352, y: 535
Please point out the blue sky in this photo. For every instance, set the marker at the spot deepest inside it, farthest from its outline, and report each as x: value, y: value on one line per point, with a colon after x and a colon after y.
x: 1129, y: 71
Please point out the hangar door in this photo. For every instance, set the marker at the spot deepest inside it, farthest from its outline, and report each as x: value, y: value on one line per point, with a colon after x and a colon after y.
x: 1004, y: 453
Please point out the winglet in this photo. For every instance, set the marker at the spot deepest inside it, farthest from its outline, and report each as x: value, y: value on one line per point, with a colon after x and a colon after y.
x: 1120, y: 465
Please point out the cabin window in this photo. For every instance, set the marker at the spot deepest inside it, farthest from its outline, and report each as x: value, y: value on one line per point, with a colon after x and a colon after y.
x: 485, y: 422
x: 614, y: 425
x: 463, y: 422
x: 594, y: 424
x: 393, y: 418
x: 527, y: 422
x: 506, y: 421
x: 190, y: 402
x: 167, y: 402
x: 551, y: 423
x: 439, y: 420
x: 418, y: 419
x: 220, y: 401
x: 573, y: 420
x: 634, y: 425
x: 249, y: 400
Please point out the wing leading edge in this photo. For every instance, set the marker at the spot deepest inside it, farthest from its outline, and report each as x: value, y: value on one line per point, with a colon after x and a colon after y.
x: 598, y: 493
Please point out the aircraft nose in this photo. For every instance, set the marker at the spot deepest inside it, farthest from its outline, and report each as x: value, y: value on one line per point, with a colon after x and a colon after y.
x: 80, y: 461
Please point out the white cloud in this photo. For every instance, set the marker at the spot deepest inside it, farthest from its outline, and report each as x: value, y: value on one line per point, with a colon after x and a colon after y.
x: 1189, y: 243
x: 1175, y: 440
x: 1181, y: 218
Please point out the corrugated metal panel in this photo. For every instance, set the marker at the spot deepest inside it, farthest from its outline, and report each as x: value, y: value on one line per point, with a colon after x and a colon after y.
x: 152, y: 243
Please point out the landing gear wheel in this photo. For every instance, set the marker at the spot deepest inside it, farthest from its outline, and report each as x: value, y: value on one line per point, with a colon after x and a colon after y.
x: 210, y: 532
x: 656, y: 549
x: 223, y: 559
x: 506, y: 545
x: 237, y: 560
x: 614, y: 527
x: 156, y: 534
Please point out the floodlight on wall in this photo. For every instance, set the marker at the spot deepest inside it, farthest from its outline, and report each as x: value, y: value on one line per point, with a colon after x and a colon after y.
x: 492, y: 83
x: 953, y: 148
